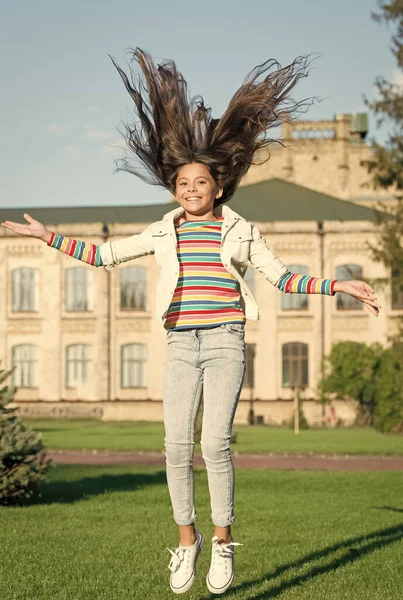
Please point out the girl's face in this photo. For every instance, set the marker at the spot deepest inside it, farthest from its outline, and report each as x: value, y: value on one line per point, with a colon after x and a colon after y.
x: 196, y: 191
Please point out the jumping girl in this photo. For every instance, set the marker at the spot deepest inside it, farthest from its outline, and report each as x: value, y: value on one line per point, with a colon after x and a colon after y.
x: 203, y: 249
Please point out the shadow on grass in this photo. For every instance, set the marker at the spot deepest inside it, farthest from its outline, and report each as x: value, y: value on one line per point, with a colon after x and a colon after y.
x: 367, y: 544
x: 65, y: 491
x: 391, y: 508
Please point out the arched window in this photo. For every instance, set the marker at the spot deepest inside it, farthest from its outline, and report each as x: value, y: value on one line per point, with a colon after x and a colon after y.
x: 133, y: 365
x: 78, y: 364
x: 344, y: 273
x: 295, y: 301
x: 295, y: 364
x: 25, y: 361
x: 78, y: 288
x: 25, y: 290
x: 133, y: 288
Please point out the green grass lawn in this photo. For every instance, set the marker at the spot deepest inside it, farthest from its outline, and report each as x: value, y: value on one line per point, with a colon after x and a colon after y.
x: 99, y: 533
x: 131, y: 435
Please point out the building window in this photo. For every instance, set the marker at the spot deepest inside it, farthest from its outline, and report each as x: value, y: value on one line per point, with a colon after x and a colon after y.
x: 133, y: 365
x: 133, y: 288
x: 295, y: 301
x: 24, y: 359
x: 295, y: 364
x: 250, y: 352
x: 25, y: 288
x: 78, y: 287
x: 397, y: 290
x: 249, y: 278
x: 345, y: 301
x: 78, y: 364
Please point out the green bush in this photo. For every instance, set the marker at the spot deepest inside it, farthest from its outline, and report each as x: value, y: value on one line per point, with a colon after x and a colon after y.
x: 353, y: 369
x: 388, y: 414
x: 371, y: 375
x: 22, y: 459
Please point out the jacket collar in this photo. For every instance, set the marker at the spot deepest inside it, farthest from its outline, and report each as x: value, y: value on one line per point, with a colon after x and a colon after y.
x: 221, y: 210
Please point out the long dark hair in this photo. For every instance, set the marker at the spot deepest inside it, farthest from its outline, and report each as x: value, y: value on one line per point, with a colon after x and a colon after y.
x: 171, y: 129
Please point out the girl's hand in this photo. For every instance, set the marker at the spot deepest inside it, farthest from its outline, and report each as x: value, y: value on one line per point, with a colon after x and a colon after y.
x: 34, y: 229
x: 360, y: 290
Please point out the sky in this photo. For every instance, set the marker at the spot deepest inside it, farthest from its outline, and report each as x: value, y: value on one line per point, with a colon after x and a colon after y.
x: 62, y: 100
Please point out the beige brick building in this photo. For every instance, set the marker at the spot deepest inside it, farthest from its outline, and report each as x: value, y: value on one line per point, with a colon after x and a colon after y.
x: 86, y: 342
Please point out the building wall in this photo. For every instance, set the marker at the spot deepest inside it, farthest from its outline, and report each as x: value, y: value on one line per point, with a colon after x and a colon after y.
x: 332, y: 165
x: 321, y: 155
x: 106, y: 328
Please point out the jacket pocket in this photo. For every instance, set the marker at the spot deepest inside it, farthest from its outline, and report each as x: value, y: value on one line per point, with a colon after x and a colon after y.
x: 238, y: 246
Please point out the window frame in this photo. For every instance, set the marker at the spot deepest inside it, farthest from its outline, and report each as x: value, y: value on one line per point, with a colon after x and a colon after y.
x: 138, y: 362
x: 31, y: 287
x: 70, y: 290
x: 301, y: 359
x: 345, y: 302
x: 142, y: 282
x: 31, y: 361
x: 86, y: 363
x: 296, y: 298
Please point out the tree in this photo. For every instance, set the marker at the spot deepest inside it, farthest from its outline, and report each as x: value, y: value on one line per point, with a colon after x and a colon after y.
x: 22, y: 459
x: 388, y: 414
x: 386, y: 163
x: 351, y: 375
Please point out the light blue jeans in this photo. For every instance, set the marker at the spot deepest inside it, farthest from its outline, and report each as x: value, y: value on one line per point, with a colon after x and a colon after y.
x: 208, y: 363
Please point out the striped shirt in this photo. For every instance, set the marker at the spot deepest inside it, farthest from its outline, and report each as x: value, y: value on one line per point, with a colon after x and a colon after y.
x: 206, y: 295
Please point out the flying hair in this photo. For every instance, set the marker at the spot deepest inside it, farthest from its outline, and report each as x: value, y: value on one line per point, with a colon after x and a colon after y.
x: 171, y: 129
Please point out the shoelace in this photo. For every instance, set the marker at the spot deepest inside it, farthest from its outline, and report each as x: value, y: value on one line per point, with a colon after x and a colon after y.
x: 222, y: 551
x: 178, y: 556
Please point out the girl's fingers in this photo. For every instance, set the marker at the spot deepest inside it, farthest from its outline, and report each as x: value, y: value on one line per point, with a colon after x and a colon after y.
x: 373, y: 307
x: 28, y: 218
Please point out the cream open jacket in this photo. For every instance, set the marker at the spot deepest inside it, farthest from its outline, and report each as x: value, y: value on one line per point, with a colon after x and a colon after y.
x: 240, y: 242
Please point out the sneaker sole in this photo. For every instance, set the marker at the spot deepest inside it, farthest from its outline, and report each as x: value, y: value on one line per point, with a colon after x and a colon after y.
x: 191, y: 581
x: 222, y: 590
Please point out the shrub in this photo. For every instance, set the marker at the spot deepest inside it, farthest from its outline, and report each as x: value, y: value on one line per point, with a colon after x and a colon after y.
x: 22, y: 459
x: 353, y: 369
x: 388, y: 414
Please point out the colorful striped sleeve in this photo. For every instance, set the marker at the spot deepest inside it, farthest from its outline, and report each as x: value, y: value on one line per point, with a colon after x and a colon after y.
x: 295, y: 283
x: 84, y: 251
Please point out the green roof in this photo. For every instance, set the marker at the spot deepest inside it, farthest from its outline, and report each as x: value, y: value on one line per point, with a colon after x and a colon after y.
x: 267, y: 201
x: 279, y: 200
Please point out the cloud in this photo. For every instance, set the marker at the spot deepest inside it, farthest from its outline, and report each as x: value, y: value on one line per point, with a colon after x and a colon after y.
x: 57, y: 128
x: 96, y: 136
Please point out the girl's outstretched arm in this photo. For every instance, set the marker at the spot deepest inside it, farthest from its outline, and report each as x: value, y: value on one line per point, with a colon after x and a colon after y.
x: 108, y: 254
x: 263, y: 259
x: 84, y: 251
x: 305, y: 284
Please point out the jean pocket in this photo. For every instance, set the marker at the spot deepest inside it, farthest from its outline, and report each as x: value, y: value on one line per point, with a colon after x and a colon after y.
x: 236, y: 328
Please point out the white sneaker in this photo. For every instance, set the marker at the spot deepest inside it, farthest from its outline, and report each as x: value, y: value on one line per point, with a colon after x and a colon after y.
x: 221, y: 574
x: 183, y: 565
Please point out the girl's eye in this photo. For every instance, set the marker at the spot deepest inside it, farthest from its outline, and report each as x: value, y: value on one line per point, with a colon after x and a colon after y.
x: 202, y: 181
